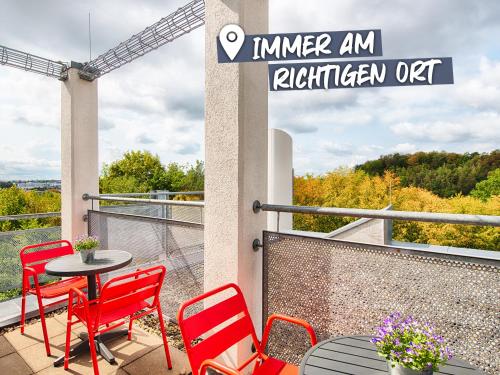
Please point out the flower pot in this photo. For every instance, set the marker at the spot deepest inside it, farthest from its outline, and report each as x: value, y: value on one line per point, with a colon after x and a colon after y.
x: 87, y: 255
x: 400, y: 370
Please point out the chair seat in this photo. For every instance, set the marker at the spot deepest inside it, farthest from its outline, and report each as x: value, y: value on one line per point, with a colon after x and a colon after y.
x: 109, y: 316
x: 273, y: 366
x: 61, y: 288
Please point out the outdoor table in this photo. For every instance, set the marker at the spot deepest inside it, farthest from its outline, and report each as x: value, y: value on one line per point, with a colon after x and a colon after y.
x: 72, y: 265
x: 357, y: 355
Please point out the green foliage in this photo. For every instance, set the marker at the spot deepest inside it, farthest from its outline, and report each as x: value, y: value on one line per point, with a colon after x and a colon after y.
x: 15, y: 201
x: 445, y: 174
x: 141, y: 172
x: 356, y: 189
x: 410, y: 343
x: 194, y: 180
x: 488, y: 188
x: 86, y: 243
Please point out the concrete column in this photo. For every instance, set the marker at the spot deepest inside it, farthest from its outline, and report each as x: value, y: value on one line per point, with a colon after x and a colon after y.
x: 280, y: 177
x: 235, y: 156
x: 79, y: 152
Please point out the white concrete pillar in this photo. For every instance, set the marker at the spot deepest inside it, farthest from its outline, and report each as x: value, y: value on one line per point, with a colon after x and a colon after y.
x: 235, y: 156
x: 79, y: 152
x: 280, y: 178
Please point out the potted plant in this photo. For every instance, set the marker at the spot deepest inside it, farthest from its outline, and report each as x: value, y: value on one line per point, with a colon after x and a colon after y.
x: 86, y: 245
x: 409, y: 346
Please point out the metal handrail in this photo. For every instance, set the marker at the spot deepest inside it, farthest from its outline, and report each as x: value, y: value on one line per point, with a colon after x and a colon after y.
x: 158, y: 193
x: 29, y: 216
x: 165, y: 202
x: 431, y: 217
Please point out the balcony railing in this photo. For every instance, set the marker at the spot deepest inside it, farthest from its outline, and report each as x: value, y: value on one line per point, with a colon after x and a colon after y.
x: 12, y: 241
x: 346, y: 288
x: 341, y: 287
x: 156, y: 231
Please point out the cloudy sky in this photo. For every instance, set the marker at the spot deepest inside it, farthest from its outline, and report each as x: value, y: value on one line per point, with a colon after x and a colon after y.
x: 156, y: 103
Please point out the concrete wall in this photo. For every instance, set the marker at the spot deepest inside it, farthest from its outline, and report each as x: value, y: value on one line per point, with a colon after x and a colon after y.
x: 236, y: 158
x: 370, y: 231
x: 79, y: 152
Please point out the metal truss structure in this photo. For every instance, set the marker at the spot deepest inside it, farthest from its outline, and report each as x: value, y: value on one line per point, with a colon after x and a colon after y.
x: 182, y: 21
x: 169, y: 28
x: 32, y: 63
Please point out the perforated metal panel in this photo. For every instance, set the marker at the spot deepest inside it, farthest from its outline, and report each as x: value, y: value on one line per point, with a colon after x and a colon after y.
x: 10, y: 245
x: 345, y: 288
x: 175, y: 244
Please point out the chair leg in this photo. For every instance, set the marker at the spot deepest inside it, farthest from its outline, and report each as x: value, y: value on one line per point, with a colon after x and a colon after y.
x: 23, y: 310
x: 68, y: 337
x: 93, y: 353
x: 44, y: 325
x: 164, y: 337
x: 129, y: 337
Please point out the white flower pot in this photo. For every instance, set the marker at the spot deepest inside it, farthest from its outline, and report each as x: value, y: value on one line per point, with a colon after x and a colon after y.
x: 87, y: 255
x: 400, y: 370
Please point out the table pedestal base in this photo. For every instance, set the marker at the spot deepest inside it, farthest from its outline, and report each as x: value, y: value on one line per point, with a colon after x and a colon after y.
x: 99, y: 340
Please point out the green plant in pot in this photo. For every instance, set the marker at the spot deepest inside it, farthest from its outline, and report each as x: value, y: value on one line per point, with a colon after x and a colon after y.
x: 86, y: 246
x: 409, y: 346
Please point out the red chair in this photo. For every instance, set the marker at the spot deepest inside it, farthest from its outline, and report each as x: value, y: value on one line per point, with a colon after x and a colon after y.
x: 232, y: 310
x: 33, y: 260
x: 121, y: 297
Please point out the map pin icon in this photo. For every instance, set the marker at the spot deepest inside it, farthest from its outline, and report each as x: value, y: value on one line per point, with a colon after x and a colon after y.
x: 232, y: 38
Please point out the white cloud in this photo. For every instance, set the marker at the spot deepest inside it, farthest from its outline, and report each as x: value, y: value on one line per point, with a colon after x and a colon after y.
x: 481, y: 127
x: 482, y: 91
x: 160, y: 97
x: 404, y: 148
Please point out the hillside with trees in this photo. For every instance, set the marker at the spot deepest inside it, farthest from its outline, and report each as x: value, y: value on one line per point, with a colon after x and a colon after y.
x: 443, y: 173
x: 414, y: 182
x: 357, y: 189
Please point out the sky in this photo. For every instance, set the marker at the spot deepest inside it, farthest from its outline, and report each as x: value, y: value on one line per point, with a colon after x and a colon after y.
x: 156, y: 103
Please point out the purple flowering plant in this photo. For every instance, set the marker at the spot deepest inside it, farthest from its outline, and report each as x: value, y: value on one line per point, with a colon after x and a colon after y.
x: 86, y: 243
x: 409, y: 343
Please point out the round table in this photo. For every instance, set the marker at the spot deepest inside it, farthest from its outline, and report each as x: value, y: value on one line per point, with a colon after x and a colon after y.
x: 357, y: 355
x: 104, y: 261
x: 72, y: 265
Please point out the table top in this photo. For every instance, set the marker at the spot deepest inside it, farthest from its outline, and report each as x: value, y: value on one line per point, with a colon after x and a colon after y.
x: 357, y: 355
x: 104, y: 261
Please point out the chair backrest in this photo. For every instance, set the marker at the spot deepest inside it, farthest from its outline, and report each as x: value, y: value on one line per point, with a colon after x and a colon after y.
x: 124, y: 293
x: 233, y: 311
x: 38, y: 255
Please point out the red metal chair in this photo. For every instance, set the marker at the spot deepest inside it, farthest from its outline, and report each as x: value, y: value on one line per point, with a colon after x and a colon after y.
x: 33, y: 260
x: 234, y: 312
x: 121, y: 297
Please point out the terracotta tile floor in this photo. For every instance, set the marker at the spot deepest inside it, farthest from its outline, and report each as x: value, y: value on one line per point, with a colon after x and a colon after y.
x: 144, y: 354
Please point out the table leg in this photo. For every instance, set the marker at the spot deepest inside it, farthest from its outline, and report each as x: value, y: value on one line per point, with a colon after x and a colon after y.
x: 91, y: 287
x: 83, y: 346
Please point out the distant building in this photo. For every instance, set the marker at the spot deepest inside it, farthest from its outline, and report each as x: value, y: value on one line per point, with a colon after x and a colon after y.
x: 39, y: 184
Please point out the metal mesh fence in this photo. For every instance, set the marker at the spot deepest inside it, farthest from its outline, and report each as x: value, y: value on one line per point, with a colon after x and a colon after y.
x: 10, y: 245
x: 345, y: 288
x: 179, y: 213
x: 153, y: 240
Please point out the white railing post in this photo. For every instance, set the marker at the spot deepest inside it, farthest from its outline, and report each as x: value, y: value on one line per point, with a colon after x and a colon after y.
x: 280, y: 177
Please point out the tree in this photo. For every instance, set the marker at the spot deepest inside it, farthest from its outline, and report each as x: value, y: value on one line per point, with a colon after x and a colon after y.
x: 195, y: 177
x: 488, y: 188
x: 346, y: 188
x: 445, y: 174
x: 174, y: 177
x: 139, y: 170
